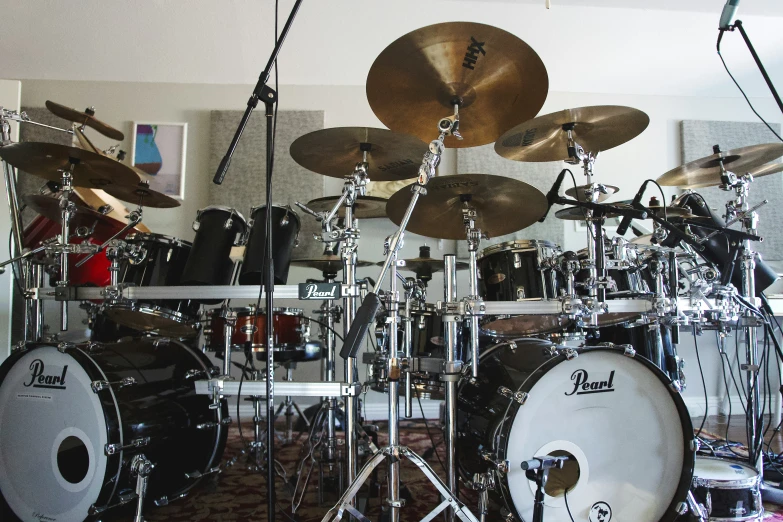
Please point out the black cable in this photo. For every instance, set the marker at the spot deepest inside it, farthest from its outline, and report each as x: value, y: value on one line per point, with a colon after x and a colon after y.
x: 327, y: 327
x: 745, y: 95
x: 427, y: 427
x: 663, y: 200
x: 703, y: 384
x: 239, y: 399
x: 565, y: 497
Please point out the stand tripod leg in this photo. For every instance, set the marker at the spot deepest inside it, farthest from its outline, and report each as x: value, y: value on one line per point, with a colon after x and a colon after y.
x: 301, y: 414
x: 337, y: 512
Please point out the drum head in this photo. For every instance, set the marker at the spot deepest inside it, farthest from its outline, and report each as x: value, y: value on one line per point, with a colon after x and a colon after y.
x: 715, y: 471
x: 53, y: 429
x: 151, y: 319
x: 624, y: 428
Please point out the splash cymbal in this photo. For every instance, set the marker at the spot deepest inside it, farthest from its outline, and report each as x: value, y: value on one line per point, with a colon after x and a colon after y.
x: 366, y: 207
x: 142, y: 194
x: 595, y: 129
x: 329, y: 264
x: 705, y: 172
x: 504, y: 205
x: 86, y: 117
x: 335, y: 152
x: 49, y: 207
x: 578, y: 214
x: 45, y: 160
x: 496, y: 79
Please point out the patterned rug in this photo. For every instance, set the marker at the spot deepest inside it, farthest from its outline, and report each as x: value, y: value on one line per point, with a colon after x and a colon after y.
x: 238, y: 494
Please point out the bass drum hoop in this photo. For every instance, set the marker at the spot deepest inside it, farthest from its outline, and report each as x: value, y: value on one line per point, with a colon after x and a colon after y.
x: 686, y: 476
x: 113, y: 420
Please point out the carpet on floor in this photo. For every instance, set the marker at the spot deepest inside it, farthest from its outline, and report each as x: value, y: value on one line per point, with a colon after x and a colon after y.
x: 238, y: 494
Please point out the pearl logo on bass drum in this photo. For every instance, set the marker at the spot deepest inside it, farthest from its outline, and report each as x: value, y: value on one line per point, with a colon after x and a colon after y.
x: 40, y: 380
x: 583, y: 385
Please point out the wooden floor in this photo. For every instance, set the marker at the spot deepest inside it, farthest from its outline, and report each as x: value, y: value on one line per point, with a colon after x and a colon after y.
x: 716, y: 425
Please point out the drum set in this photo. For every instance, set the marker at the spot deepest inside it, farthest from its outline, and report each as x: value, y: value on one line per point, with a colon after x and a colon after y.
x: 559, y: 369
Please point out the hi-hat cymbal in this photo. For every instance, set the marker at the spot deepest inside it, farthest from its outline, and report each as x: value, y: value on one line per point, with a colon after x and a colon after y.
x: 705, y: 172
x: 335, y: 152
x: 45, y: 160
x: 85, y: 117
x: 366, y: 207
x: 142, y: 194
x: 49, y: 207
x: 496, y: 79
x: 329, y: 264
x: 504, y: 205
x: 426, y: 264
x: 578, y: 193
x: 595, y: 129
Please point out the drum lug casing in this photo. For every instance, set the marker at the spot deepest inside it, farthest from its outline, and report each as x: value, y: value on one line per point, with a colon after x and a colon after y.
x: 111, y: 449
x: 209, y: 425
x: 502, y: 466
x: 519, y: 397
x: 165, y: 500
x: 98, y: 386
x: 63, y: 347
x: 18, y: 347
x: 197, y: 474
x: 628, y: 350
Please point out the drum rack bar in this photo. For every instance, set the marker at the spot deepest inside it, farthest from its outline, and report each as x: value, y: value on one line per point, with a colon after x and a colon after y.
x: 163, y: 292
x: 284, y: 388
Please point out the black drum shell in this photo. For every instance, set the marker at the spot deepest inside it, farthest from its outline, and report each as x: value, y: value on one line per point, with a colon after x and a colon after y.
x: 162, y: 405
x: 643, y: 338
x: 209, y: 262
x: 285, y: 230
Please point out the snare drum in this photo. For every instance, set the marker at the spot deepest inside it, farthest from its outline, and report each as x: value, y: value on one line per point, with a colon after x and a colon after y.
x: 285, y: 230
x: 73, y: 417
x: 291, y: 334
x: 218, y: 230
x: 728, y: 489
x: 155, y: 260
x: 517, y: 271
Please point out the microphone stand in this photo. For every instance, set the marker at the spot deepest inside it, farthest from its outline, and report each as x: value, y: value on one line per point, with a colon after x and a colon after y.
x: 269, y: 97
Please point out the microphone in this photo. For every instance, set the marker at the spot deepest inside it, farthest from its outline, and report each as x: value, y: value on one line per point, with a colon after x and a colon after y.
x: 553, y: 194
x: 626, y: 222
x: 727, y: 16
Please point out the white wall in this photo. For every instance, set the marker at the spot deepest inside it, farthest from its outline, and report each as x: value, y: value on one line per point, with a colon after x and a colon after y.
x: 10, y: 97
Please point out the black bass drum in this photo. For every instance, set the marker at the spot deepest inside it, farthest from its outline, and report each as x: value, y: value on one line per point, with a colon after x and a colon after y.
x: 616, y: 416
x: 72, y: 417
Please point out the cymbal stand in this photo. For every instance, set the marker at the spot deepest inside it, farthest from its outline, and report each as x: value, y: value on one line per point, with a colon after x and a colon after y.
x: 67, y: 209
x: 355, y: 338
x: 474, y: 236
x: 134, y: 218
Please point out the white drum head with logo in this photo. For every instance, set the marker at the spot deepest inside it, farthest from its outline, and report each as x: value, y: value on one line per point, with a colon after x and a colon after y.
x: 620, y: 424
x: 53, y: 433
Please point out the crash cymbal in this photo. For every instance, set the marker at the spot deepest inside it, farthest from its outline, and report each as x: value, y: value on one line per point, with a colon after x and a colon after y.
x: 141, y: 194
x: 329, y: 264
x: 86, y: 117
x: 504, y: 205
x: 424, y: 264
x: 335, y: 152
x: 578, y: 193
x: 496, y: 79
x: 766, y: 170
x: 657, y: 209
x: 49, y: 207
x: 366, y: 207
x: 595, y: 129
x: 705, y: 172
x: 46, y: 159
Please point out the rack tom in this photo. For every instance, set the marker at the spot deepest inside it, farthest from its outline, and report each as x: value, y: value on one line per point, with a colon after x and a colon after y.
x: 520, y: 271
x: 285, y: 230
x: 218, y: 230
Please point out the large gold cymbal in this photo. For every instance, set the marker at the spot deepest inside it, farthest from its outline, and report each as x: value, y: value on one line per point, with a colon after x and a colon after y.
x: 705, y: 172
x: 504, y: 205
x: 497, y: 79
x: 596, y: 128
x: 391, y: 156
x: 45, y: 160
x: 141, y: 194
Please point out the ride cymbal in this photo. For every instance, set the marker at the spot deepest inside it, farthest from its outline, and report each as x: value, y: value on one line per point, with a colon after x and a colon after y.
x: 595, y: 129
x: 503, y: 205
x: 329, y: 264
x: 45, y: 160
x: 86, y: 117
x: 366, y: 207
x: 705, y: 172
x: 496, y: 79
x: 335, y: 152
x: 141, y: 194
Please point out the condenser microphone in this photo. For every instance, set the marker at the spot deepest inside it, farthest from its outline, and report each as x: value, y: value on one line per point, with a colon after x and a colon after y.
x: 727, y: 16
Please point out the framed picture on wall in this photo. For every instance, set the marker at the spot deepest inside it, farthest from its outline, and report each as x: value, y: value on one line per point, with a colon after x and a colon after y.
x: 159, y: 150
